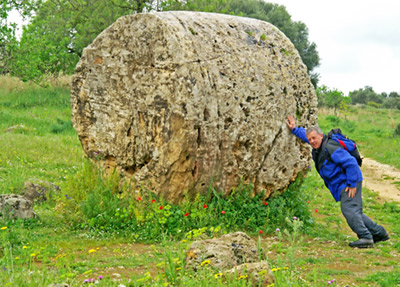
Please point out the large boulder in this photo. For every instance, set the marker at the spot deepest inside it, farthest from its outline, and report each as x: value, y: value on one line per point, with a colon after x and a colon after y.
x: 179, y: 100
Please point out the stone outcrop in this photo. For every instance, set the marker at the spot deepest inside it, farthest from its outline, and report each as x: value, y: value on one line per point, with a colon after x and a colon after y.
x: 228, y: 251
x: 179, y: 100
x: 14, y: 206
x: 233, y: 254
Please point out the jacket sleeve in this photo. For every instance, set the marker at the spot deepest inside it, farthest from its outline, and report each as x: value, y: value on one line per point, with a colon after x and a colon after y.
x: 300, y: 132
x: 349, y: 164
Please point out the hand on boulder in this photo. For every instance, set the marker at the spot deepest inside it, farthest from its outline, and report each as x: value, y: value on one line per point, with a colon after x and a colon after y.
x: 291, y: 123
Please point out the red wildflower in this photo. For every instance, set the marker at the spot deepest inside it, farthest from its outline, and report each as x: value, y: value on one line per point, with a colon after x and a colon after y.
x: 139, y: 198
x: 265, y: 203
x: 187, y: 214
x: 223, y: 212
x: 260, y: 231
x: 153, y: 201
x: 161, y: 207
x: 316, y: 210
x: 205, y: 206
x: 308, y: 201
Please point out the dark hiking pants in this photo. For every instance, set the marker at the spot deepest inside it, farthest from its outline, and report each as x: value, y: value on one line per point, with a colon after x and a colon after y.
x: 352, y: 210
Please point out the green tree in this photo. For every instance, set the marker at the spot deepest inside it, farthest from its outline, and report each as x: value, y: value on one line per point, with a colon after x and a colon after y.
x: 366, y: 95
x: 332, y: 98
x: 53, y: 42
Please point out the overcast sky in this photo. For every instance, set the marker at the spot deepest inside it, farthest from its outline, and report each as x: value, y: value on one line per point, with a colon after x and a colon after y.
x: 358, y: 41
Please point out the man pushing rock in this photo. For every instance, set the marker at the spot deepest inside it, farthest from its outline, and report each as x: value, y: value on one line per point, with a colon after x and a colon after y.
x: 343, y: 177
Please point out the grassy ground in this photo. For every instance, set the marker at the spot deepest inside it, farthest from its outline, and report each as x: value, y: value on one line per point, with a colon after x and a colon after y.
x: 373, y: 129
x: 39, y: 144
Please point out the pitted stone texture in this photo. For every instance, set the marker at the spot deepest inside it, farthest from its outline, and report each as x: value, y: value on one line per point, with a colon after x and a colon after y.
x: 179, y: 100
x: 226, y: 252
x: 16, y: 206
x: 257, y: 274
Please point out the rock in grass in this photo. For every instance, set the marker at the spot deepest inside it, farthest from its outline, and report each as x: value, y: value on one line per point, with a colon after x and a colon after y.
x: 39, y: 191
x: 223, y: 253
x: 257, y: 273
x: 13, y: 206
x: 180, y: 100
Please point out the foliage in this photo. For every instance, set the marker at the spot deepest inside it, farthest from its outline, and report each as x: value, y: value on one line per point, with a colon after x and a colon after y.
x: 332, y: 98
x: 53, y: 41
x: 397, y: 131
x: 98, y: 202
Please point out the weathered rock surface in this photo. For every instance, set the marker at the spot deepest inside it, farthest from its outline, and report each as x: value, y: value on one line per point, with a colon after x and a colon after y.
x: 39, y: 191
x: 16, y: 206
x: 258, y: 273
x: 226, y: 252
x: 177, y: 100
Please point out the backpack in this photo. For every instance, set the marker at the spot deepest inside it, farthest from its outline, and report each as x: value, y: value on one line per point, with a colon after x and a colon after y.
x: 346, y: 143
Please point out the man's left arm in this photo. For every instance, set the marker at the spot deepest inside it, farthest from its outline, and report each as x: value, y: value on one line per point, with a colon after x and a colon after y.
x: 352, y: 170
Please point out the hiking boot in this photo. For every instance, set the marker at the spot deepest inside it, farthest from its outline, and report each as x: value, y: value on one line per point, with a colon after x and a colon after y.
x: 381, y: 237
x: 362, y: 243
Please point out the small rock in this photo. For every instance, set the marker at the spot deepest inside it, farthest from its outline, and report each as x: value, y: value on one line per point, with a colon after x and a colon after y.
x: 16, y: 206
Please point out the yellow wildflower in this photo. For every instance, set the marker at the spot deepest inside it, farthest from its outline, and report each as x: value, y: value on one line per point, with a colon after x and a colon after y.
x: 205, y: 262
x: 4, y: 228
x: 92, y: 250
x: 33, y: 255
x: 243, y: 277
x: 24, y: 247
x: 16, y: 258
x: 218, y: 275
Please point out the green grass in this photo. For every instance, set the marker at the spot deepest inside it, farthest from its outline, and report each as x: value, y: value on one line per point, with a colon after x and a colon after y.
x: 95, y: 227
x: 373, y: 129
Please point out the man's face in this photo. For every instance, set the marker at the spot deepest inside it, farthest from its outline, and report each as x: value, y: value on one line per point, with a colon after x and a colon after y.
x: 315, y: 139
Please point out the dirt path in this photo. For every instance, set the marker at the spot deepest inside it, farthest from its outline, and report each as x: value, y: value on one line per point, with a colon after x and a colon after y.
x: 381, y: 178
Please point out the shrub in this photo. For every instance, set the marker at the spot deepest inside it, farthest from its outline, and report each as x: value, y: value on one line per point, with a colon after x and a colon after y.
x: 397, y: 131
x: 101, y: 204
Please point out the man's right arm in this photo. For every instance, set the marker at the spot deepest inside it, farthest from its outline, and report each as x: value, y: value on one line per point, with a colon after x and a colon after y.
x: 299, y: 132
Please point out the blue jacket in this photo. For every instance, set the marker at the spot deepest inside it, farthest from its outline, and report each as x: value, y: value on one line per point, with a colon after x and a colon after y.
x: 339, y: 172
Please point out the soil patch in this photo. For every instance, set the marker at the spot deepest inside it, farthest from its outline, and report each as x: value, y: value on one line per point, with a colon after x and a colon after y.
x: 381, y: 178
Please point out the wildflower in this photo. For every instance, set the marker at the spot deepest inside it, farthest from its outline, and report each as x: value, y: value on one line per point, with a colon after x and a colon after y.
x: 86, y: 281
x: 205, y: 262
x: 33, y: 255
x: 100, y: 277
x: 153, y: 201
x: 218, y: 275
x: 92, y: 250
x: 260, y: 232
x: 178, y: 268
x: 243, y: 277
x: 205, y: 206
x: 16, y: 258
x: 223, y: 212
x: 294, y: 218
x: 277, y: 230
x: 161, y: 207
x: 316, y: 210
x: 331, y: 281
x: 24, y: 247
x: 139, y: 198
x: 187, y: 214
x: 4, y: 228
x: 66, y: 196
x: 308, y: 201
x: 265, y: 203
